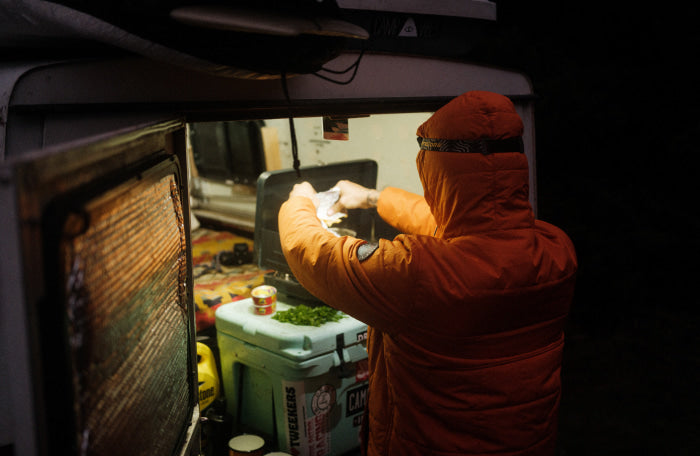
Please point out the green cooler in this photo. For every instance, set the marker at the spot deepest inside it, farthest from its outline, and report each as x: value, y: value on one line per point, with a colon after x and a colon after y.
x: 302, y: 388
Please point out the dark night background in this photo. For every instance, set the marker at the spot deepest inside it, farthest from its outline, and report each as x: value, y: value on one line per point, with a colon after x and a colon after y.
x: 617, y: 123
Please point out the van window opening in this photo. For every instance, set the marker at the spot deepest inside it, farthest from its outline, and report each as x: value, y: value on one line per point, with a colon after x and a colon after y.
x: 236, y: 152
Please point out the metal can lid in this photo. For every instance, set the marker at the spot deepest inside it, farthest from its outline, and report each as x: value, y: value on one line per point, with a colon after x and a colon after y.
x: 263, y: 291
x: 246, y: 442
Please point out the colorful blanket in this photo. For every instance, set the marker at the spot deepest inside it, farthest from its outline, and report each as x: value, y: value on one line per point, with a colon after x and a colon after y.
x: 216, y: 283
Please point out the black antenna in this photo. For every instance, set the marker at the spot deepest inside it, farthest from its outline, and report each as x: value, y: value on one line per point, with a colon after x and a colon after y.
x: 295, y: 151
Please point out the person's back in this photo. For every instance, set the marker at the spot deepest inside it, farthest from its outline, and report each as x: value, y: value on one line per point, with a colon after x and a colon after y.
x: 467, y: 309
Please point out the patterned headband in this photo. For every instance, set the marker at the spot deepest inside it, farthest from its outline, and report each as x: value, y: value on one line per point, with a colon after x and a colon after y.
x: 481, y: 146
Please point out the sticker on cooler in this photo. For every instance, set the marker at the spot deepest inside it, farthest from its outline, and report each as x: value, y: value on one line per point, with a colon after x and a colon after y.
x: 361, y: 370
x: 307, y: 430
x: 356, y: 400
x: 317, y: 427
x: 294, y: 417
x: 362, y: 366
x: 323, y: 400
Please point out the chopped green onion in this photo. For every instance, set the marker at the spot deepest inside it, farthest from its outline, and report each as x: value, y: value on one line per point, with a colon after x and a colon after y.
x: 308, y: 316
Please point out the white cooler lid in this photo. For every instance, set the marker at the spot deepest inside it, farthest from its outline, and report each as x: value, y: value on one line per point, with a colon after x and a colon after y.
x: 237, y: 319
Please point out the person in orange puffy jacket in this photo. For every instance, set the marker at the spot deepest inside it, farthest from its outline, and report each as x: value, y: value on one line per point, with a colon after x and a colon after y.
x: 466, y: 310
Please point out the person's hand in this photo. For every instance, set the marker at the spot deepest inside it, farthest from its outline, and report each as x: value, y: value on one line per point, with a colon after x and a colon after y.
x: 354, y: 196
x: 306, y: 190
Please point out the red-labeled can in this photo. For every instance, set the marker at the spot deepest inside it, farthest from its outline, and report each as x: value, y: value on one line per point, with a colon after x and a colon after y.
x: 264, y: 299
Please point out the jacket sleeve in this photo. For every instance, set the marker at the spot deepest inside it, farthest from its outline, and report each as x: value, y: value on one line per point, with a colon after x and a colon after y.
x: 328, y: 267
x: 407, y: 212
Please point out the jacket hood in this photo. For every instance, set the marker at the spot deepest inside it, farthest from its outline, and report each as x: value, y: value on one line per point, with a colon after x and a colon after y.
x: 470, y: 192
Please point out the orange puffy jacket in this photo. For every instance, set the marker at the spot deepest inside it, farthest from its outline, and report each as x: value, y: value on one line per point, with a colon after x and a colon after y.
x: 466, y: 310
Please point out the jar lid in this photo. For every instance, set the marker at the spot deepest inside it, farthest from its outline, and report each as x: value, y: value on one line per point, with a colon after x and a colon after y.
x: 246, y: 443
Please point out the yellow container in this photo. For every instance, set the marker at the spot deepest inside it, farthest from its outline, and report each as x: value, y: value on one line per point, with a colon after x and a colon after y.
x: 207, y: 375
